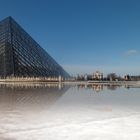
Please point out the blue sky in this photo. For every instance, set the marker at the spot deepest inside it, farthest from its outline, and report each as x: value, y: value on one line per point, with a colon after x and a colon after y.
x: 83, y: 35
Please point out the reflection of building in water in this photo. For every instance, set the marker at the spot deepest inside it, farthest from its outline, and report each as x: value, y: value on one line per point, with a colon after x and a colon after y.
x: 34, y: 97
x: 113, y: 87
x: 31, y: 85
x: 95, y: 87
x: 99, y: 87
x: 127, y: 86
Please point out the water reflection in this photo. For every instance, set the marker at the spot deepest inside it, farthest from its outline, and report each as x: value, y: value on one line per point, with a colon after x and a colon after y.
x: 30, y: 95
x: 48, y: 111
x: 31, y: 85
x: 101, y: 87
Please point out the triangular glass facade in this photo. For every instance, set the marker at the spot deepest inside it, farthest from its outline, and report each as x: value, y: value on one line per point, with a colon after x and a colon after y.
x: 22, y: 56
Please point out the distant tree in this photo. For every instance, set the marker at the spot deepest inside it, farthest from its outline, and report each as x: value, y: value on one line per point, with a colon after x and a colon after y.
x: 112, y: 76
x: 120, y: 78
x: 127, y: 77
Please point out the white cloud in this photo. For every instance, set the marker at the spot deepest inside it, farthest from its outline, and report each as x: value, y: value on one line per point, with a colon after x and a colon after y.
x: 131, y: 52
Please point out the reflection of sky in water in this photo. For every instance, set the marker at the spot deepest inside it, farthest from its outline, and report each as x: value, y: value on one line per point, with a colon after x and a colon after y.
x: 39, y: 110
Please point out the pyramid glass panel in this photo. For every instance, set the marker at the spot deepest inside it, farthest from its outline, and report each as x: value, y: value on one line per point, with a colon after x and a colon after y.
x: 22, y: 56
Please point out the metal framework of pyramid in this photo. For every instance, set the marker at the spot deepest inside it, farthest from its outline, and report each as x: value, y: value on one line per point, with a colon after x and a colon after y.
x: 22, y: 56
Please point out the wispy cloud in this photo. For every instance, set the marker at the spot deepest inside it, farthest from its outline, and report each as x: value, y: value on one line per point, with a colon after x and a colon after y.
x: 131, y: 52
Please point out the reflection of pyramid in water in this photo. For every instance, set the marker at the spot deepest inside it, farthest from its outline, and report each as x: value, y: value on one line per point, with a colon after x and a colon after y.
x: 21, y: 55
x: 34, y: 97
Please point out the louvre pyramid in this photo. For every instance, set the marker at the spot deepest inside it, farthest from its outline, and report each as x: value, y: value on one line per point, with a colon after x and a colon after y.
x: 22, y: 56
